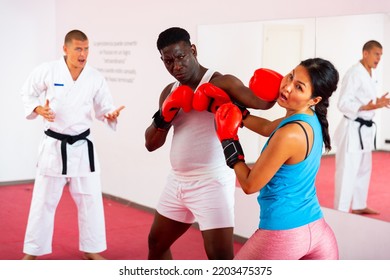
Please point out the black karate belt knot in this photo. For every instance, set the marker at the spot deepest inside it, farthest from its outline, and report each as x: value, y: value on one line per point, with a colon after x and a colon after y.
x: 362, y: 122
x: 367, y: 123
x: 71, y: 139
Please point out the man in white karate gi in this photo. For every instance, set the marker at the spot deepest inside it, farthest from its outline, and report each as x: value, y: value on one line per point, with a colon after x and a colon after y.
x: 355, y: 134
x: 66, y: 93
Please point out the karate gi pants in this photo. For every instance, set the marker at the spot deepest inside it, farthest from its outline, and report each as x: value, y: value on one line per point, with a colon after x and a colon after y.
x: 86, y: 193
x: 352, y: 179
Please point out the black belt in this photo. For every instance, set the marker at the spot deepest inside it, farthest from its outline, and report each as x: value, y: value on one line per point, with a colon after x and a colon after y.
x: 71, y: 140
x: 367, y: 123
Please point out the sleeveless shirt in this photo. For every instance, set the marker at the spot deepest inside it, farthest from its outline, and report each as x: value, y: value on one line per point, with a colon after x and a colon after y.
x: 289, y: 200
x: 196, y: 151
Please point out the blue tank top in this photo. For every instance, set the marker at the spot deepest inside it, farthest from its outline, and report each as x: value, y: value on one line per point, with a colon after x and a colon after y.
x: 289, y: 200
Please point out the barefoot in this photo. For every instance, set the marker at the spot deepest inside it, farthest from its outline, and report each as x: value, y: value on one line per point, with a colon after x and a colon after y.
x: 365, y: 211
x: 29, y: 257
x: 93, y: 256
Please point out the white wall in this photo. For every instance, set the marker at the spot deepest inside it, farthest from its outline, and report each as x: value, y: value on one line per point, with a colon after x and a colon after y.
x: 129, y: 171
x: 27, y: 31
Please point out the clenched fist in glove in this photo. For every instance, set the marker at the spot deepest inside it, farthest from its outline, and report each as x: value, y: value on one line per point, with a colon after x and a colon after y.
x: 209, y: 97
x: 265, y: 83
x: 228, y: 119
x: 180, y: 98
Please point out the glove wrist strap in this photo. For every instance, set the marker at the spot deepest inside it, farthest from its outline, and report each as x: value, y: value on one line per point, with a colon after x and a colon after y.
x: 159, y: 123
x: 233, y: 152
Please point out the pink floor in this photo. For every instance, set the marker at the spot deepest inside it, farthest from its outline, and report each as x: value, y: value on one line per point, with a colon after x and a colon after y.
x: 379, y: 192
x: 128, y: 227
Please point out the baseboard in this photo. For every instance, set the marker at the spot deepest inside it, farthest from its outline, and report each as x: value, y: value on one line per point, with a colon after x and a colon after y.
x: 19, y: 182
x: 129, y: 203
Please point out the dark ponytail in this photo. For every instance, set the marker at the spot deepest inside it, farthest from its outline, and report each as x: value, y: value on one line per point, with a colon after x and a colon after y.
x: 324, y: 78
x: 322, y: 110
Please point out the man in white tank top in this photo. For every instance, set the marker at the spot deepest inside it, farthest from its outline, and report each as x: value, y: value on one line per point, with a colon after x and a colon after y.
x: 200, y: 186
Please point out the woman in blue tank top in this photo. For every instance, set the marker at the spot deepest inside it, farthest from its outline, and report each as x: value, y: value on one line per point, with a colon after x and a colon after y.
x: 291, y: 221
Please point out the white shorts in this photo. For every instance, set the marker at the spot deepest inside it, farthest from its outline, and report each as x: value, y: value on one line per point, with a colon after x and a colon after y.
x: 210, y: 202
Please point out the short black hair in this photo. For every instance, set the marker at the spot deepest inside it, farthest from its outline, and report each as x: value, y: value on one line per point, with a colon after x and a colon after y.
x: 372, y: 44
x: 171, y: 36
x: 75, y: 35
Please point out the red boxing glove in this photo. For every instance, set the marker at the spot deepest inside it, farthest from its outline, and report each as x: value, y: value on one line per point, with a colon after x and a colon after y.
x: 265, y: 84
x: 180, y: 98
x: 209, y: 97
x: 228, y: 119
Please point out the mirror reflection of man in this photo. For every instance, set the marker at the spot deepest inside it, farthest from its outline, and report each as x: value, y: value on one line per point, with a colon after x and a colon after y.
x: 355, y: 134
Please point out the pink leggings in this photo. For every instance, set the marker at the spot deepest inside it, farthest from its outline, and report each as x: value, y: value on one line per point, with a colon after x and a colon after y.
x: 314, y: 241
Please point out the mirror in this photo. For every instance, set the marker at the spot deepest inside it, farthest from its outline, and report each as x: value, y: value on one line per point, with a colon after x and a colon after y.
x: 240, y: 48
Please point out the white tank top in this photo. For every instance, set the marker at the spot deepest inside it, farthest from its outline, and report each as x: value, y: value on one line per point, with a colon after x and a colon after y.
x: 196, y: 151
